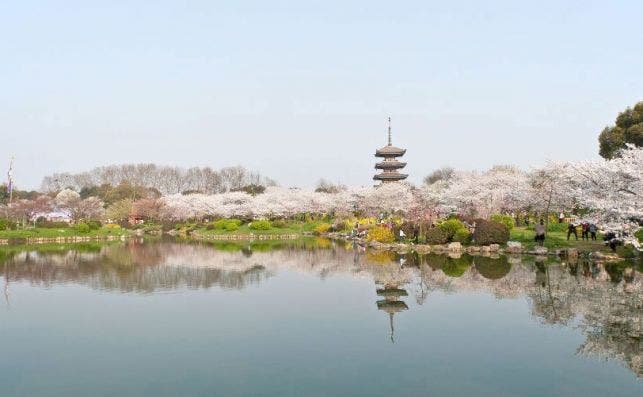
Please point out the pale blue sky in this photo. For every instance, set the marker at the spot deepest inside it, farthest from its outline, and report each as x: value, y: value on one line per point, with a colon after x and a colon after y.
x: 300, y: 90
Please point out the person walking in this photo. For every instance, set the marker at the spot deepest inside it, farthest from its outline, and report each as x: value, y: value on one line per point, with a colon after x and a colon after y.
x: 540, y: 233
x: 571, y: 229
x: 592, y: 231
x: 402, y: 235
x: 561, y: 217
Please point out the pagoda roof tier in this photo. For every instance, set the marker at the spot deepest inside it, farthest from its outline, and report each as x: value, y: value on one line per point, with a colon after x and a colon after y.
x: 392, y: 292
x: 390, y: 176
x: 388, y: 165
x: 391, y: 306
x: 390, y: 151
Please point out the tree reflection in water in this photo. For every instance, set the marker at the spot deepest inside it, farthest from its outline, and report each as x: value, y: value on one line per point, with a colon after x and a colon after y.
x: 603, y: 300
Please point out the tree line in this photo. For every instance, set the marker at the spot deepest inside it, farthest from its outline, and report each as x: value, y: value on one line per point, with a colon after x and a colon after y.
x: 162, y: 179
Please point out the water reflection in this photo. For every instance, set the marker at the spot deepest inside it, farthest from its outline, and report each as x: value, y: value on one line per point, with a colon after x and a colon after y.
x: 603, y: 300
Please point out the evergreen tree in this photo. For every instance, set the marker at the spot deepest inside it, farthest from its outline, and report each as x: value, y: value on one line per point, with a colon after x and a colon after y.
x: 628, y: 130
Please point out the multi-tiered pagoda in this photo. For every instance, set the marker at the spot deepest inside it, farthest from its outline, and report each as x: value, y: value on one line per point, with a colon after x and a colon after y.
x: 390, y: 166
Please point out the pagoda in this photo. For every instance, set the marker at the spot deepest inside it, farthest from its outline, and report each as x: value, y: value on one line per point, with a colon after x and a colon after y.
x: 390, y: 166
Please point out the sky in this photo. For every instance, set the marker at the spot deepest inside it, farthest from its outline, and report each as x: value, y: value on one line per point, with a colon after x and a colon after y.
x: 301, y: 90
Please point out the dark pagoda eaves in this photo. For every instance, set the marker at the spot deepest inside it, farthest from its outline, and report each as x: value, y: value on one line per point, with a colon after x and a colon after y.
x: 390, y: 151
x: 390, y: 176
x: 389, y: 165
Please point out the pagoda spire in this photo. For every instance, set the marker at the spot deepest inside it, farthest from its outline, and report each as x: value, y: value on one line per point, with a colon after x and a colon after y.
x: 390, y: 140
x: 390, y: 316
x: 10, y: 181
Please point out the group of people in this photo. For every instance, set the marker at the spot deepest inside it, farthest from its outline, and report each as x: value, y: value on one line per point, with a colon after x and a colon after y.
x: 588, y: 230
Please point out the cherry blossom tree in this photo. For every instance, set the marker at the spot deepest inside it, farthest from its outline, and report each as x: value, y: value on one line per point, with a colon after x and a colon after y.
x: 500, y: 189
x: 611, y: 189
x: 390, y: 197
x: 90, y: 208
x: 78, y: 209
x: 149, y: 208
x: 66, y: 198
x: 28, y: 210
x: 549, y: 190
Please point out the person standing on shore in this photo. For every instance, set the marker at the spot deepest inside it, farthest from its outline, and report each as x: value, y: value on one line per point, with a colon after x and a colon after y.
x: 585, y: 231
x: 592, y: 231
x: 540, y: 233
x: 571, y: 229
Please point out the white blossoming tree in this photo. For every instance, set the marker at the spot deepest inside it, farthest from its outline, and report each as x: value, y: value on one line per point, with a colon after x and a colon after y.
x: 501, y: 189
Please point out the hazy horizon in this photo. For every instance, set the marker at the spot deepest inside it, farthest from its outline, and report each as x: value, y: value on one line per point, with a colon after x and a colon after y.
x: 302, y: 91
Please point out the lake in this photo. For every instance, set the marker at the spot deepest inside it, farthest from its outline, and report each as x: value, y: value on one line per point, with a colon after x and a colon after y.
x: 312, y: 318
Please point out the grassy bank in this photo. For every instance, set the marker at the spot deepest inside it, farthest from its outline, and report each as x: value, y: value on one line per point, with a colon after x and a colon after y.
x: 557, y: 239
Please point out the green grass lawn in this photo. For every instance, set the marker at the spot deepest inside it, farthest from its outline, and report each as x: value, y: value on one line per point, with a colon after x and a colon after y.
x: 63, y: 232
x: 557, y: 239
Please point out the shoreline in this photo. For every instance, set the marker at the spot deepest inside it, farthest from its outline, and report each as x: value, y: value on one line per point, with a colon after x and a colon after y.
x: 451, y: 249
x: 456, y: 249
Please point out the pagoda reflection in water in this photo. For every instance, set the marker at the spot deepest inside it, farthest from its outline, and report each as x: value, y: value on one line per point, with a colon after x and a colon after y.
x: 391, y: 303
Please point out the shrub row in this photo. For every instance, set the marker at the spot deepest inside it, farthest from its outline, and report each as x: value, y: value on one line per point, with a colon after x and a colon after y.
x: 448, y: 231
x: 229, y: 225
x: 485, y: 233
x: 260, y: 225
x: 52, y: 225
x: 6, y: 224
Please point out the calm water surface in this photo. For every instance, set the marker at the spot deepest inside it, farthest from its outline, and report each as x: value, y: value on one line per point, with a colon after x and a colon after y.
x: 312, y: 319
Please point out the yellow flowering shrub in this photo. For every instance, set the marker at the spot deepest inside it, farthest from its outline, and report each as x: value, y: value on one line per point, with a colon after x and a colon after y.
x: 322, y: 228
x: 349, y: 224
x: 380, y: 234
